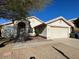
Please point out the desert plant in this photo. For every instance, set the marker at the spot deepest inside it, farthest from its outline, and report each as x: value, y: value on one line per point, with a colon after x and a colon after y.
x: 8, y: 32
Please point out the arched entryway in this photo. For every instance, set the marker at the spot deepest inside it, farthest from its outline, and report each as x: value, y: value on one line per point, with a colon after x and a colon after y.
x: 21, y: 25
x: 21, y: 28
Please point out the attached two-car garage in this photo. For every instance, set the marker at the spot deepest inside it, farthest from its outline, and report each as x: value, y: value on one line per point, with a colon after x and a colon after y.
x: 55, y: 29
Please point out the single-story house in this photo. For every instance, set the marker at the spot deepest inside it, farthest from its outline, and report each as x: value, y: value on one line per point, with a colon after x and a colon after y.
x: 55, y: 28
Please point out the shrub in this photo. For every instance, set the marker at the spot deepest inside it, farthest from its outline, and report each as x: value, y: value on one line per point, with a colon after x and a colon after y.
x: 8, y: 32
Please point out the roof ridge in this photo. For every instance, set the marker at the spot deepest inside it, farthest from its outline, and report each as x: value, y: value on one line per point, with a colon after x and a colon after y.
x: 72, y: 19
x: 55, y: 19
x: 36, y: 18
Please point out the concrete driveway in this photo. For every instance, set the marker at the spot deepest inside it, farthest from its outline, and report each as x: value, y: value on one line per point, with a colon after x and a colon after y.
x: 51, y: 49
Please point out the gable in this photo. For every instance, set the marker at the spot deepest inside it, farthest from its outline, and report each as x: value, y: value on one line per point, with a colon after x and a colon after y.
x: 59, y: 22
x: 34, y: 22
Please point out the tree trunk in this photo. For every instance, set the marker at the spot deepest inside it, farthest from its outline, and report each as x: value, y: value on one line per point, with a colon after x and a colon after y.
x: 13, y: 21
x: 0, y: 32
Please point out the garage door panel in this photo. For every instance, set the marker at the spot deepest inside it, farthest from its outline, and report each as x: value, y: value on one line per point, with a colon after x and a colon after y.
x: 58, y: 32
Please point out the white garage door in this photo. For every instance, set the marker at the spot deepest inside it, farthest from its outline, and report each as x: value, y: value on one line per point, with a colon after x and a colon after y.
x: 57, y: 32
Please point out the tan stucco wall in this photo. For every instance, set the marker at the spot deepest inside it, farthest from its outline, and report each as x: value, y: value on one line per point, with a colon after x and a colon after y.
x: 59, y: 23
x: 34, y: 22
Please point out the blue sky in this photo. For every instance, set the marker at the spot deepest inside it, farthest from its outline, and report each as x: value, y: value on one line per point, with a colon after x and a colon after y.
x: 66, y: 8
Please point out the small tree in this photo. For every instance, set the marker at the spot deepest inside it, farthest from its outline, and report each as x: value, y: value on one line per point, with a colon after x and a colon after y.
x: 20, y: 9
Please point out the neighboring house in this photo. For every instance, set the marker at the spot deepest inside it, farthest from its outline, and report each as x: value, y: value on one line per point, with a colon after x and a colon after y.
x: 71, y: 21
x: 75, y: 32
x: 55, y: 28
